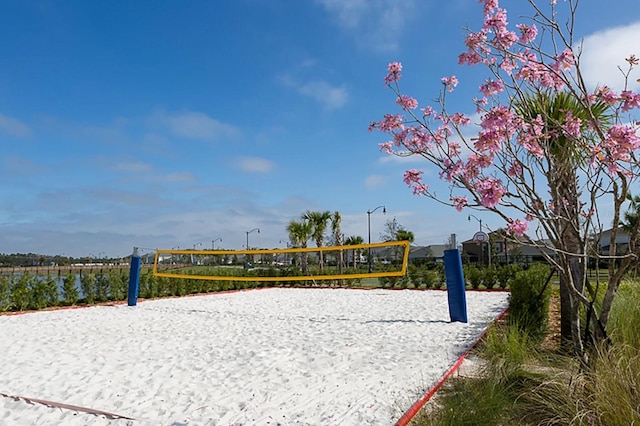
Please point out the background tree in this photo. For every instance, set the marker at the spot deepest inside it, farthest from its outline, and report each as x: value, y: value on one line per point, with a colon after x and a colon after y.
x: 336, y: 232
x: 352, y: 241
x: 299, y: 234
x: 542, y: 157
x: 318, y: 221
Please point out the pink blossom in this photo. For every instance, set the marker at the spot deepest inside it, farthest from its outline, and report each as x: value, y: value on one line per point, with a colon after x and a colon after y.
x: 469, y: 58
x: 528, y: 33
x: 459, y: 202
x: 389, y: 123
x: 517, y: 228
x: 386, y: 147
x: 564, y: 61
x: 394, y: 74
x: 428, y: 111
x: 413, y: 178
x: 629, y: 100
x: 460, y: 119
x: 450, y: 82
x: 407, y: 102
x: 491, y: 87
x: 606, y: 95
x: 515, y: 170
x: 491, y: 191
x: 632, y: 60
x: 572, y: 126
x: 489, y: 6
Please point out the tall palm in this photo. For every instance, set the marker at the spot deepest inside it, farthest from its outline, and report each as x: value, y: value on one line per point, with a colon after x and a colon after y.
x: 353, y: 241
x: 318, y: 221
x: 563, y: 156
x: 336, y: 231
x: 299, y: 234
x: 402, y: 235
x: 631, y: 215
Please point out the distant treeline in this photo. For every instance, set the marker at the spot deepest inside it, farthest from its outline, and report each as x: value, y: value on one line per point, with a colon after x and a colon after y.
x: 33, y: 259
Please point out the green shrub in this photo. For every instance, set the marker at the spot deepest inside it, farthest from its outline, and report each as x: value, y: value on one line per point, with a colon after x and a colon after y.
x: 441, y: 278
x: 119, y: 282
x: 37, y: 288
x: 5, y: 293
x: 624, y: 321
x: 489, y: 278
x: 70, y: 294
x: 428, y: 278
x: 413, y: 272
x: 52, y: 292
x: 473, y: 276
x: 20, y: 295
x: 505, y: 273
x: 529, y: 300
x: 87, y: 285
x: 102, y: 287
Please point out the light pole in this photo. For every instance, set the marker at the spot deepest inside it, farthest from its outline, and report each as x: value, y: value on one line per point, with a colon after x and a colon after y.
x: 384, y: 211
x: 213, y: 243
x: 248, y: 232
x: 286, y: 254
x: 482, y: 244
x: 246, y: 256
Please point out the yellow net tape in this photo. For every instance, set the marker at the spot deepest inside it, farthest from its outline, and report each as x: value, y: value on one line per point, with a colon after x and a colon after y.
x: 290, y: 264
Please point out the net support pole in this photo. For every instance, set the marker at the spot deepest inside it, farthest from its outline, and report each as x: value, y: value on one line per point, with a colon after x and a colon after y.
x: 134, y: 278
x: 455, y: 285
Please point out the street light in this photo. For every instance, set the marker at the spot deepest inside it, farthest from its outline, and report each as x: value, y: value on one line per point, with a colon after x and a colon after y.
x: 482, y: 244
x: 248, y: 232
x: 213, y: 243
x: 286, y: 255
x: 384, y: 211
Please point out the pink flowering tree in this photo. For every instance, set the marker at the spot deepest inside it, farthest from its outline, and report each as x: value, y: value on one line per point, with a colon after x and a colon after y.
x: 544, y: 152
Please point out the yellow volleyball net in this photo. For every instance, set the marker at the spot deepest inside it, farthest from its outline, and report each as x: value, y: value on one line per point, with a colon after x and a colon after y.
x: 386, y: 259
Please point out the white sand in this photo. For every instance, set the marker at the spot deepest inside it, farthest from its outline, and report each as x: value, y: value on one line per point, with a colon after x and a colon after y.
x: 264, y: 357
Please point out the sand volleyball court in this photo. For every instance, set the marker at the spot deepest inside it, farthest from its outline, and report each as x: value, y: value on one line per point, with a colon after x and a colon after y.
x: 262, y: 357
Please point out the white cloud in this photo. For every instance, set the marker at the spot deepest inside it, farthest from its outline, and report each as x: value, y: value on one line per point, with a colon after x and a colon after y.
x: 605, y: 50
x: 374, y: 23
x: 375, y: 181
x: 14, y: 127
x: 254, y: 164
x: 197, y: 125
x: 331, y: 96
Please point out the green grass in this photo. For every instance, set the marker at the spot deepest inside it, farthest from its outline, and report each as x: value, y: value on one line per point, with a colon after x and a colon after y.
x: 521, y: 384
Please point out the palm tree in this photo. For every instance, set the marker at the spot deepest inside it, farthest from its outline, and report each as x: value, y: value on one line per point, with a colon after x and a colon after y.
x: 299, y: 234
x: 631, y: 215
x: 318, y: 221
x: 336, y: 219
x: 563, y: 156
x: 353, y: 241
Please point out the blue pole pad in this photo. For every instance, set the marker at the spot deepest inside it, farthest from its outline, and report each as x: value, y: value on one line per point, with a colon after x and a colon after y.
x: 134, y: 281
x: 455, y: 285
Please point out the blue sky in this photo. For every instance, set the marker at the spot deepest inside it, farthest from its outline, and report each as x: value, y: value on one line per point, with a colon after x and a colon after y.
x: 162, y: 124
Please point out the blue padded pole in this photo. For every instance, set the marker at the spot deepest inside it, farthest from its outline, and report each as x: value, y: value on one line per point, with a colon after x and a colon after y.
x: 134, y: 278
x: 455, y: 285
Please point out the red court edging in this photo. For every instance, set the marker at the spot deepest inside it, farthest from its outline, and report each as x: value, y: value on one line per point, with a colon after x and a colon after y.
x: 67, y: 406
x: 417, y: 406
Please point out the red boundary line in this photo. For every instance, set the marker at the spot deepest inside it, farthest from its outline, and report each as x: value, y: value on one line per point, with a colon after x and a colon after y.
x: 53, y: 404
x: 417, y: 406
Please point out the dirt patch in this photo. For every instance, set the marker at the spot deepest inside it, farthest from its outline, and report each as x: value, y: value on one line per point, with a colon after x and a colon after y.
x: 551, y: 341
